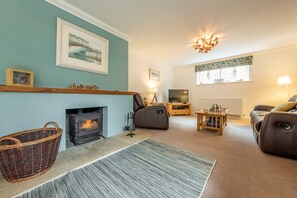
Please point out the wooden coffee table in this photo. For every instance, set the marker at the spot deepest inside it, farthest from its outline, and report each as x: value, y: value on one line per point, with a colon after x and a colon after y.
x: 212, y: 120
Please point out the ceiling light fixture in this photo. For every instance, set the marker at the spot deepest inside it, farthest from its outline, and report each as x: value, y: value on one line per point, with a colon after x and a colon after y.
x: 205, y: 44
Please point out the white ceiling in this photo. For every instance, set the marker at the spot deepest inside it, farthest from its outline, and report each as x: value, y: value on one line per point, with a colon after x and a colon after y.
x: 166, y: 29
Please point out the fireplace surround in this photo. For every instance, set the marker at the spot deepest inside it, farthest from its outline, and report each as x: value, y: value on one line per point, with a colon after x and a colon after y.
x: 31, y: 107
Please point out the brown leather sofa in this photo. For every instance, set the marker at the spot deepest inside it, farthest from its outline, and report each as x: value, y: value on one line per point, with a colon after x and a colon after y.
x: 153, y: 117
x: 276, y: 131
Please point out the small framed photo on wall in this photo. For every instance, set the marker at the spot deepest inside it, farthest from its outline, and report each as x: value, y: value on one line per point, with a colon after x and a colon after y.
x: 16, y: 77
x: 154, y: 74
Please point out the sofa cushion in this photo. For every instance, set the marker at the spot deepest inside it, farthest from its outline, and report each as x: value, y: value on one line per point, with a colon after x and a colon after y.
x: 293, y: 99
x: 284, y: 107
x: 147, y: 102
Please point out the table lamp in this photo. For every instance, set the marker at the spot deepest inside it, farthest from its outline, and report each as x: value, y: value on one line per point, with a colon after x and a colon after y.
x: 155, y: 91
x: 284, y: 80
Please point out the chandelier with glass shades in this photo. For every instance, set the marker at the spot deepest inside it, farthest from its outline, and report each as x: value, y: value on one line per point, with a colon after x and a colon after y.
x: 205, y: 44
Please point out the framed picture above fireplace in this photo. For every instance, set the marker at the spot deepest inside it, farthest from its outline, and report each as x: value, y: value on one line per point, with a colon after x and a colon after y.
x: 80, y: 49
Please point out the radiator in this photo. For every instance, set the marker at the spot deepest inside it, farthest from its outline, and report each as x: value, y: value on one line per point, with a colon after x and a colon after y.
x: 234, y: 105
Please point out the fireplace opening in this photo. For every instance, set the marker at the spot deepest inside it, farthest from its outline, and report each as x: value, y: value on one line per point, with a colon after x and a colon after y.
x: 83, y: 125
x: 89, y: 124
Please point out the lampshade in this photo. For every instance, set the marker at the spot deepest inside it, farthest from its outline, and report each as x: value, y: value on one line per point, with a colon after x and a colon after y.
x: 284, y: 80
x: 155, y: 90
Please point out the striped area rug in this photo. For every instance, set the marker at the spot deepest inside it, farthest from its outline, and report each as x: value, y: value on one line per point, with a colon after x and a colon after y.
x: 147, y: 169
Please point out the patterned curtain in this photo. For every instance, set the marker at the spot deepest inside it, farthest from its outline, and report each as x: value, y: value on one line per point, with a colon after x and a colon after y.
x: 247, y: 60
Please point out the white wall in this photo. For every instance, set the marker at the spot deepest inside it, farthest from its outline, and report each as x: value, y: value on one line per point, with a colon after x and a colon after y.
x: 263, y: 89
x: 139, y: 65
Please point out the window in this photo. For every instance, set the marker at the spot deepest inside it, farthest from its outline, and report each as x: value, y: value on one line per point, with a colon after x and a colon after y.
x: 230, y: 74
x: 231, y: 70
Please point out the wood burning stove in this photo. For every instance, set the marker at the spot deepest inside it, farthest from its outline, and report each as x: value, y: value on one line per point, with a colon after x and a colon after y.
x: 85, y: 125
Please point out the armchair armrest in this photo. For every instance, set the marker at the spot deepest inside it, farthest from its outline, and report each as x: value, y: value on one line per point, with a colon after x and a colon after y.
x: 280, y: 121
x: 263, y: 108
x: 278, y: 134
x: 156, y: 107
x: 158, y: 104
x: 160, y: 109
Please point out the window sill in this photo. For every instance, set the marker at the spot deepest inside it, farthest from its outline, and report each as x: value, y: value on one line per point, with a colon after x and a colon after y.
x: 222, y: 83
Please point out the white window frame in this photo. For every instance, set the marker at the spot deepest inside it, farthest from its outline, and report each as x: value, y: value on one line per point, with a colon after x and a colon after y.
x: 220, y: 80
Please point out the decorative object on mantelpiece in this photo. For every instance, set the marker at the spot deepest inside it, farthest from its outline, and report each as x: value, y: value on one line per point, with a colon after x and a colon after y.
x: 205, y: 44
x: 129, y: 127
x: 84, y: 86
x: 16, y: 77
x: 285, y: 80
x: 30, y: 153
x: 80, y: 49
x: 154, y: 74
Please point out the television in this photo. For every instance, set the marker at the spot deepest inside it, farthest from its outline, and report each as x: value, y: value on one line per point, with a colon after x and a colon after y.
x: 178, y: 95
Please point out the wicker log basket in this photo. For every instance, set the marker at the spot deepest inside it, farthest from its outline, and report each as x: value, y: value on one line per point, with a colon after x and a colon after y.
x: 30, y: 153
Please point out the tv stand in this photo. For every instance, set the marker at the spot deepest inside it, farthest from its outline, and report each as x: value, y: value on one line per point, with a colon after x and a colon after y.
x: 179, y: 109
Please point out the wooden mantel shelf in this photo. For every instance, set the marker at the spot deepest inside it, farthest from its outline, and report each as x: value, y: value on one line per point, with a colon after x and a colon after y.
x: 61, y: 90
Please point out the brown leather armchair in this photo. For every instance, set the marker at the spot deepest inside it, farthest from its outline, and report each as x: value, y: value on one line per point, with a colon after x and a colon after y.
x: 153, y: 117
x: 276, y: 132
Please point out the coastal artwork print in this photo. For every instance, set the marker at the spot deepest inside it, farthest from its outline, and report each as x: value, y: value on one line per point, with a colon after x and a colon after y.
x: 81, y: 49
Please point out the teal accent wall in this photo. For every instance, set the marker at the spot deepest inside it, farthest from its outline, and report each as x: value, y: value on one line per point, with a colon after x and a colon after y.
x: 28, y: 42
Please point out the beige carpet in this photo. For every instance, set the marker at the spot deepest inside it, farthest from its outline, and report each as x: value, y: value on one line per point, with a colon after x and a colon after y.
x: 242, y: 170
